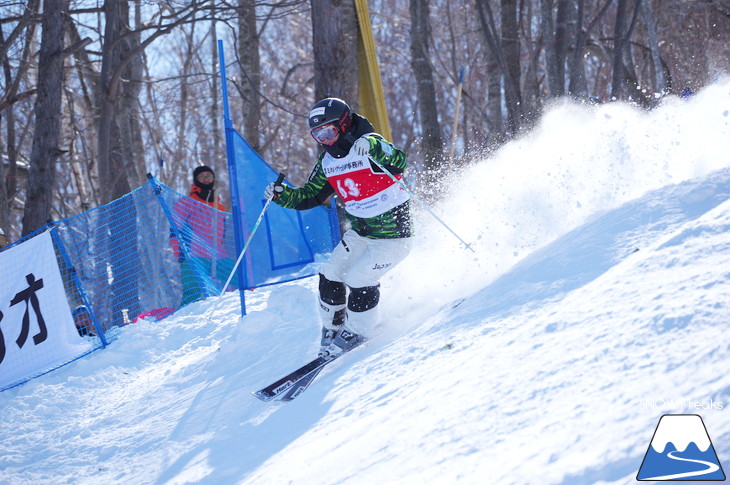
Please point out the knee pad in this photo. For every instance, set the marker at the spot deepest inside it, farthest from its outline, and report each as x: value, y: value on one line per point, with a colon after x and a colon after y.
x: 332, y: 292
x: 363, y: 299
x: 332, y: 300
x: 362, y: 310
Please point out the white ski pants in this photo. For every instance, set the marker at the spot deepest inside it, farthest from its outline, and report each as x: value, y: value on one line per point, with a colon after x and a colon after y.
x: 359, y: 263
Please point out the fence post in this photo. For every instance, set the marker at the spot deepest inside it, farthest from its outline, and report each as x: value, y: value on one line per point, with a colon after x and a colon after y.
x: 58, y: 242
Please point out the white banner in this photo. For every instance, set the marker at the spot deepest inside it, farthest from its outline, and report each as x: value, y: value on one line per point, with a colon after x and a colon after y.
x: 37, y: 331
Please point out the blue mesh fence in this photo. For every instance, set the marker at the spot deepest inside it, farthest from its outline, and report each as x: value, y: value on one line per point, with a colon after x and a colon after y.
x: 202, y: 242
x: 144, y: 255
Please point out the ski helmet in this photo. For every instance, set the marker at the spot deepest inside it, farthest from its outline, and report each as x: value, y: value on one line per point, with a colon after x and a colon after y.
x: 328, y: 119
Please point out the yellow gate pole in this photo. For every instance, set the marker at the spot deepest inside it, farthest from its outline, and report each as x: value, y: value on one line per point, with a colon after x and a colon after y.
x: 371, y: 99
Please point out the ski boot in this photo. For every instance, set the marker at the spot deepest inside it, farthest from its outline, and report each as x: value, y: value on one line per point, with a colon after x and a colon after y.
x: 328, y: 336
x: 343, y: 341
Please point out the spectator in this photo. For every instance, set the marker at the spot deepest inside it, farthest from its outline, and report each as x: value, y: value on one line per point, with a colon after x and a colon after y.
x: 202, y: 230
x: 83, y: 321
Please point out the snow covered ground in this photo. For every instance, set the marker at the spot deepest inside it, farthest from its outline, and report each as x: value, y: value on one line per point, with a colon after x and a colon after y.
x: 597, y: 300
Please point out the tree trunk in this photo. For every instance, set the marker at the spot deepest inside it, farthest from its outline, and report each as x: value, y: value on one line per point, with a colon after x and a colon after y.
x: 561, y: 44
x: 130, y: 130
x: 577, y: 74
x: 107, y: 98
x: 578, y: 83
x: 45, y: 149
x: 547, y: 28
x: 511, y: 49
x: 214, y: 110
x: 179, y: 158
x: 250, y: 87
x: 495, y: 120
x: 10, y: 179
x: 85, y: 168
x: 334, y: 37
x: 631, y: 78
x: 432, y: 145
x: 660, y: 81
x: 555, y: 35
x: 10, y: 123
x: 121, y: 168
x: 617, y: 79
x: 511, y: 84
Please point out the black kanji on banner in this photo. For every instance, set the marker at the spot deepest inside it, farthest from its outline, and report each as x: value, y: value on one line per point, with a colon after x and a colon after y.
x: 31, y: 299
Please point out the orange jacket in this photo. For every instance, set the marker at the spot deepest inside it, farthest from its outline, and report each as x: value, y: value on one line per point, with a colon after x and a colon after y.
x: 202, y: 227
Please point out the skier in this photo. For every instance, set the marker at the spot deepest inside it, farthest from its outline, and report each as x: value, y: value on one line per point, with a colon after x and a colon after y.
x: 377, y: 208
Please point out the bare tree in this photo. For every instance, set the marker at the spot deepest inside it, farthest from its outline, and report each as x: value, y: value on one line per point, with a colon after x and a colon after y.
x: 119, y: 51
x: 250, y: 62
x: 334, y: 40
x: 214, y: 110
x: 495, y: 118
x: 619, y: 43
x: 116, y: 16
x: 658, y: 69
x: 577, y: 84
x: 432, y: 145
x: 13, y: 79
x: 510, y: 43
x: 555, y: 35
x: 45, y: 150
x: 509, y: 66
x: 132, y: 149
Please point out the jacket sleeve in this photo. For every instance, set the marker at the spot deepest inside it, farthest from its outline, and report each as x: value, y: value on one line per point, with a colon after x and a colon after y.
x: 312, y: 194
x: 390, y: 157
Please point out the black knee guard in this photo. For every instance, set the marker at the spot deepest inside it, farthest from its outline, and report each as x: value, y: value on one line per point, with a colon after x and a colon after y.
x: 331, y: 292
x: 363, y: 299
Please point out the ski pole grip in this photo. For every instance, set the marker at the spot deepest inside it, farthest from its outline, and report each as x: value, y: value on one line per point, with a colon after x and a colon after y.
x: 279, y: 179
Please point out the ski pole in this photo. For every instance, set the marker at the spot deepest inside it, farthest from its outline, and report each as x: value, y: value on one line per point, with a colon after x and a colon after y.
x: 279, y: 180
x: 418, y: 201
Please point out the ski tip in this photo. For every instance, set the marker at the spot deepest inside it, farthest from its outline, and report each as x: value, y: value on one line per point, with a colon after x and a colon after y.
x: 262, y: 396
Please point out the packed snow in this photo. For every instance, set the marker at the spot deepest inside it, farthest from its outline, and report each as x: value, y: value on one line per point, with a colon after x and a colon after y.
x: 597, y: 300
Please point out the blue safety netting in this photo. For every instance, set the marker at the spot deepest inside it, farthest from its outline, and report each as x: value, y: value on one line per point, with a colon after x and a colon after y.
x: 291, y: 240
x: 153, y: 250
x: 144, y: 255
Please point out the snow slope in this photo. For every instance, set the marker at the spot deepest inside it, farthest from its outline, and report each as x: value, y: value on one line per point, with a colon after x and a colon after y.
x: 597, y: 301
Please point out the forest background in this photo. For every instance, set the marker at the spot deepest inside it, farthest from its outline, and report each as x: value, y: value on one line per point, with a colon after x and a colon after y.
x: 96, y: 94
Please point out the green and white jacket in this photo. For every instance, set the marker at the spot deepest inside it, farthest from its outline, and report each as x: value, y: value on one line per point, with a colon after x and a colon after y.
x: 376, y: 206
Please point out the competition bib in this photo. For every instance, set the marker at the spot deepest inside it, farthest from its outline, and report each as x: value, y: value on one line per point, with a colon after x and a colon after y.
x: 364, y: 192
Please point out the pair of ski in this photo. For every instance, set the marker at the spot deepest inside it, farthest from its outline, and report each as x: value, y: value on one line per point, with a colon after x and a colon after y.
x: 293, y: 384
